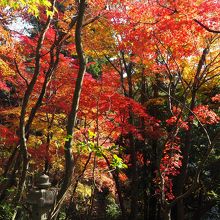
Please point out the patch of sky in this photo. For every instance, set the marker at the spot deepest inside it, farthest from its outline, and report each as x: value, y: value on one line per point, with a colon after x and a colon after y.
x: 20, y: 26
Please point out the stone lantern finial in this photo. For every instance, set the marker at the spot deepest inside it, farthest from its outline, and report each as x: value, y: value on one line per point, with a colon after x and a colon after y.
x: 43, y: 182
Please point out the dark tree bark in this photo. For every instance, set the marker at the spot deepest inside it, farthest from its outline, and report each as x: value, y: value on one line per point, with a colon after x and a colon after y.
x: 181, y: 179
x: 73, y: 112
x: 27, y: 95
x: 118, y: 188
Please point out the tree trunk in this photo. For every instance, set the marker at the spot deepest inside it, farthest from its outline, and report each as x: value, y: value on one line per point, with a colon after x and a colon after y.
x: 181, y: 178
x: 134, y: 183
x: 118, y: 188
x: 166, y: 214
x: 26, y: 99
x: 73, y: 113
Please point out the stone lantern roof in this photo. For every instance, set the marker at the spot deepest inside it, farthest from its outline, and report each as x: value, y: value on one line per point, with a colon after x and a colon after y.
x: 43, y: 182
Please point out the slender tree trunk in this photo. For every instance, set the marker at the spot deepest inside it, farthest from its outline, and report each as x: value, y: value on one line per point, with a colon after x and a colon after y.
x: 134, y: 180
x: 10, y: 161
x: 166, y: 214
x: 73, y: 113
x: 186, y: 149
x: 71, y: 210
x: 118, y: 189
x: 134, y: 183
x: 181, y: 179
x: 28, y: 92
x: 120, y: 198
x: 153, y: 201
x: 11, y: 179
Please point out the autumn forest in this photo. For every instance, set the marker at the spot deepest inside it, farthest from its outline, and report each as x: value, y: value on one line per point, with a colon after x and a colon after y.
x: 109, y: 109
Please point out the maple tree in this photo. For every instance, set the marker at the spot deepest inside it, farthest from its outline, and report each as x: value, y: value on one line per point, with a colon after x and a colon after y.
x: 115, y: 96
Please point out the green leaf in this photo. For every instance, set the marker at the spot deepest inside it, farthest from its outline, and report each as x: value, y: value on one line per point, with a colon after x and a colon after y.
x: 68, y: 137
x: 196, y: 123
x: 118, y: 163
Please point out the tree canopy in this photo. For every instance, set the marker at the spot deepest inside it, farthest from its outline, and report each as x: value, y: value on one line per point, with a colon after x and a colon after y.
x: 117, y: 102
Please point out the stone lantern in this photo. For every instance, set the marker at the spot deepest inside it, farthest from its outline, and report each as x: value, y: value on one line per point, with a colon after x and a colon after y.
x: 41, y: 198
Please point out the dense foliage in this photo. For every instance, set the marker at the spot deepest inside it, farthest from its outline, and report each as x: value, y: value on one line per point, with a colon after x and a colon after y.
x: 117, y: 101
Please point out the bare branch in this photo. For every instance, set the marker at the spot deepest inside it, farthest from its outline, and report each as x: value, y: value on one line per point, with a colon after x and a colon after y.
x: 206, y: 28
x: 19, y: 73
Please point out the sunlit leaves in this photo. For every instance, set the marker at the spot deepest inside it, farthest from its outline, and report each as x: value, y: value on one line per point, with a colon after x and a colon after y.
x: 118, y: 163
x: 205, y: 115
x: 32, y: 5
